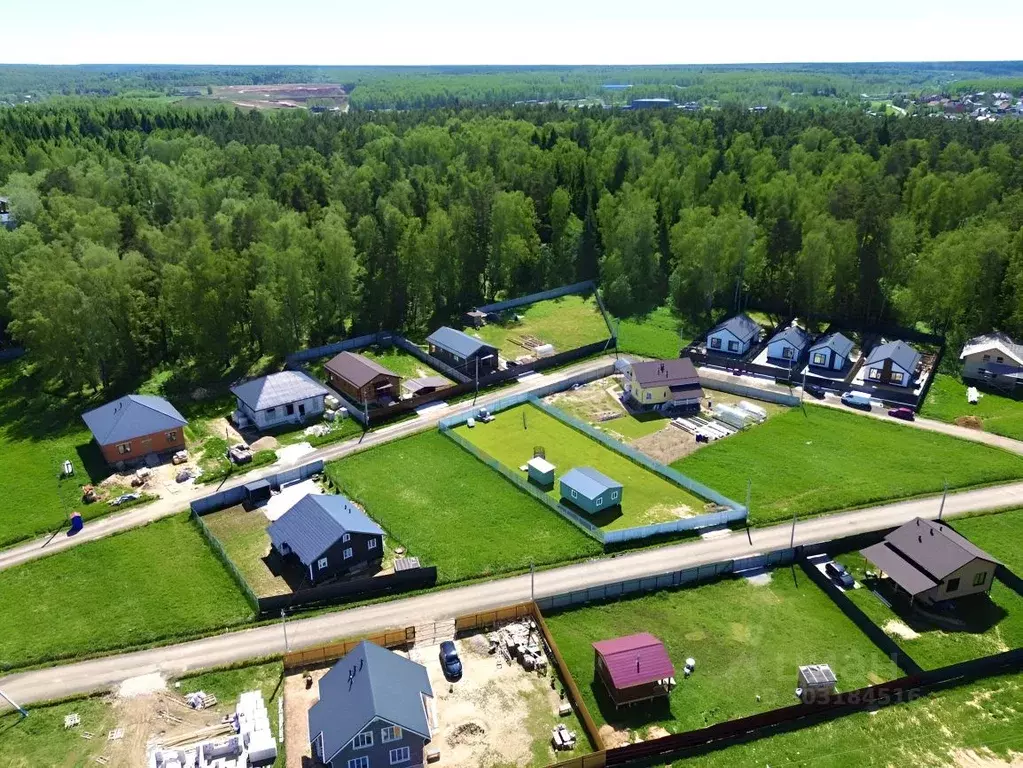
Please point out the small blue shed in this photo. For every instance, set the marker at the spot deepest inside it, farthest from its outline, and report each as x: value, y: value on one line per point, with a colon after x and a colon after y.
x: 590, y: 490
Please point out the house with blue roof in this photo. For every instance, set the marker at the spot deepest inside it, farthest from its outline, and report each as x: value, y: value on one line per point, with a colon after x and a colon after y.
x: 734, y: 336
x: 329, y: 535
x: 590, y: 490
x: 375, y: 709
x: 133, y: 427
x: 787, y: 346
x: 893, y: 363
x: 831, y: 352
x: 463, y: 352
x: 287, y: 397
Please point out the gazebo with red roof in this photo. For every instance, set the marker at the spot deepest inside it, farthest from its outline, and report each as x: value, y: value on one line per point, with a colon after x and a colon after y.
x: 633, y: 668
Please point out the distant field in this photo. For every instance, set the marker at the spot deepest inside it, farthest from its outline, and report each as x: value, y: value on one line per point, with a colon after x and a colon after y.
x: 998, y: 534
x: 747, y: 640
x: 566, y: 322
x: 267, y: 96
x: 829, y: 460
x: 946, y: 401
x: 454, y: 512
x: 659, y: 334
x: 151, y: 583
x: 647, y: 497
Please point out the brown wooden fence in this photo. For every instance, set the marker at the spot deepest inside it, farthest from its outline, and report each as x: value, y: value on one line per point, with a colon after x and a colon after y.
x: 323, y: 654
x: 592, y: 760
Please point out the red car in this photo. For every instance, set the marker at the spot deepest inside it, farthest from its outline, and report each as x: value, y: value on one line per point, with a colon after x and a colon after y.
x: 902, y: 413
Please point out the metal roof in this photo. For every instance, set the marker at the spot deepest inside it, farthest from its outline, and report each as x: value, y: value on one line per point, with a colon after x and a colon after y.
x: 541, y: 464
x: 935, y: 547
x: 406, y: 564
x: 316, y: 522
x: 588, y: 481
x: 741, y: 327
x: 677, y: 371
x: 794, y: 335
x: 818, y: 674
x: 426, y: 382
x: 836, y: 342
x: 369, y: 682
x: 897, y: 568
x: 457, y: 343
x: 132, y: 416
x: 898, y: 352
x: 357, y: 369
x: 635, y: 660
x: 994, y: 341
x: 278, y: 389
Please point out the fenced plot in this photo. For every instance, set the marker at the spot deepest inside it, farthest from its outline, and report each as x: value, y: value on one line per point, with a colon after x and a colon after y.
x: 566, y: 323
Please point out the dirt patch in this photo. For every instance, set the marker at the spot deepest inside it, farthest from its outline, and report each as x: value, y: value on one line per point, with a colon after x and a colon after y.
x: 969, y: 758
x: 596, y: 402
x: 613, y: 738
x: 896, y: 628
x: 297, y: 701
x: 661, y: 512
x: 266, y: 443
x: 761, y: 579
x: 221, y: 427
x: 656, y: 732
x: 141, y: 685
x: 667, y: 445
x: 469, y: 734
x: 970, y: 422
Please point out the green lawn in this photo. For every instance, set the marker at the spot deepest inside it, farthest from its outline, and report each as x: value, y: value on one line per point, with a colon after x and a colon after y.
x: 659, y: 334
x: 998, y: 534
x: 454, y: 512
x: 946, y: 401
x: 647, y: 497
x: 995, y: 625
x: 400, y: 361
x: 144, y: 585
x: 982, y: 718
x: 566, y: 322
x: 747, y: 640
x: 829, y: 460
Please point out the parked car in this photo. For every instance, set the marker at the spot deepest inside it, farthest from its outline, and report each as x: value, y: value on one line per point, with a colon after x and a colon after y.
x: 856, y: 400
x: 449, y: 661
x: 124, y: 499
x: 838, y: 572
x: 905, y: 414
x: 240, y: 453
x: 815, y: 391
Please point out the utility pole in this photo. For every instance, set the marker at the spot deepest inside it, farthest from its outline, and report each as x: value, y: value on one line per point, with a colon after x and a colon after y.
x: 477, y: 394
x: 792, y: 539
x: 944, y: 494
x: 284, y: 626
x: 24, y: 712
x: 749, y: 494
x: 802, y: 390
x: 532, y: 582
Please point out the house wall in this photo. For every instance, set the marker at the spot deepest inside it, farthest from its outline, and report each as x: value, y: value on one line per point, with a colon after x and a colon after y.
x: 140, y: 447
x: 367, y: 393
x: 776, y: 351
x: 611, y: 497
x: 266, y: 419
x: 834, y: 361
x: 650, y: 395
x: 885, y: 369
x: 379, y: 752
x: 974, y: 364
x: 362, y: 554
x: 467, y: 365
x: 724, y: 338
x: 966, y: 586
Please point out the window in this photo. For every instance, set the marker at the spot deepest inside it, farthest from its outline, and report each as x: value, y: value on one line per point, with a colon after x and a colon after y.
x: 648, y: 395
x: 289, y: 409
x: 574, y: 494
x: 400, y: 755
x: 172, y: 436
x: 952, y: 586
x: 390, y: 733
x: 124, y: 448
x: 987, y: 358
x: 363, y: 740
x: 874, y: 374
x: 733, y: 346
x: 348, y: 553
x: 271, y: 412
x: 999, y: 359
x: 897, y: 377
x: 979, y: 579
x: 820, y: 358
x: 345, y: 538
x: 614, y: 495
x: 600, y: 501
x: 321, y: 563
x: 788, y: 353
x: 715, y: 343
x: 371, y: 544
x: 359, y: 762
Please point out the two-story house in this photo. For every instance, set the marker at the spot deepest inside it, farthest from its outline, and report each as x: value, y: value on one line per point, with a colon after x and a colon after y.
x: 672, y: 383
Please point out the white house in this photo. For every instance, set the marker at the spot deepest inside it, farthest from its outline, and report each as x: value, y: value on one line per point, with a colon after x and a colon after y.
x: 831, y: 352
x: 288, y: 397
x: 993, y: 358
x: 734, y: 336
x: 787, y: 346
x: 892, y: 363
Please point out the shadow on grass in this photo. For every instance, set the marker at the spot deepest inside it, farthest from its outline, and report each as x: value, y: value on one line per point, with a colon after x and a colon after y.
x: 633, y: 716
x: 600, y: 519
x: 289, y: 569
x: 973, y: 614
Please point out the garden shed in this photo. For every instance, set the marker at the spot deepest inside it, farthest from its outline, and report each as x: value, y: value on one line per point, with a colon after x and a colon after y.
x: 590, y: 490
x: 634, y: 668
x: 541, y: 471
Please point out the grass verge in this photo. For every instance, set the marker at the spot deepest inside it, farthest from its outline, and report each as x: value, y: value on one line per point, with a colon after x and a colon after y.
x: 946, y: 402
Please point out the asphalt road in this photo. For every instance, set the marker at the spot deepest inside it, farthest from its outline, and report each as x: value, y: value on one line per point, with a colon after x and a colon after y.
x: 172, y: 504
x: 173, y: 660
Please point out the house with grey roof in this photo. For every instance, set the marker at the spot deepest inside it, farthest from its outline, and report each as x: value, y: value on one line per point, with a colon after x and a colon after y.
x: 363, y: 380
x: 329, y: 535
x: 463, y: 352
x: 375, y: 709
x: 590, y: 490
x: 931, y: 563
x: 893, y: 363
x: 288, y: 397
x: 734, y: 336
x: 787, y: 346
x: 993, y: 358
x: 831, y: 352
x: 133, y: 427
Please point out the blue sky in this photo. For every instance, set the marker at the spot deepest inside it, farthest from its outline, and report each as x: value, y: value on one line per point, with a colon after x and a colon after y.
x: 517, y: 32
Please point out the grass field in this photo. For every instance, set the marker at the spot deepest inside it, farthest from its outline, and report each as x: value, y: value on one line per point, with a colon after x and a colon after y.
x: 566, y: 322
x: 647, y: 497
x: 147, y: 584
x: 829, y: 460
x: 747, y: 640
x: 454, y: 512
x: 658, y: 334
x: 978, y: 725
x: 946, y: 401
x: 998, y: 534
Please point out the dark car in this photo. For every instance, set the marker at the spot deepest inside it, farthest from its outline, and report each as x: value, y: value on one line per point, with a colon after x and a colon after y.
x: 449, y: 661
x: 902, y: 413
x: 815, y: 391
x: 838, y: 572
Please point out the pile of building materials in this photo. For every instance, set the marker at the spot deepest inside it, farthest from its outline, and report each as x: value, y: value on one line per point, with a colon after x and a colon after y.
x: 316, y: 430
x: 200, y: 700
x: 521, y: 641
x: 254, y: 728
x: 705, y: 430
x: 562, y: 738
x: 334, y: 409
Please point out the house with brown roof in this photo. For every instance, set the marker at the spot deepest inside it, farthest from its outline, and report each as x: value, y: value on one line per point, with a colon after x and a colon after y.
x: 634, y: 668
x: 363, y: 380
x: 672, y: 383
x: 931, y: 563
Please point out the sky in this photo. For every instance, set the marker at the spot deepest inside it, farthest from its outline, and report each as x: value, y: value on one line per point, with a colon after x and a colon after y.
x: 406, y: 32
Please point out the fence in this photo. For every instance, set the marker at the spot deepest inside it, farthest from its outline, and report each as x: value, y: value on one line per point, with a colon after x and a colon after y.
x: 745, y: 390
x: 554, y: 293
x: 429, y: 360
x: 218, y: 550
x: 237, y: 494
x: 333, y: 594
x: 358, y: 342
x: 322, y: 654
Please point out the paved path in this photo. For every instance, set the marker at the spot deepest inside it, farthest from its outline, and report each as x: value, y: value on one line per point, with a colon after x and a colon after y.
x: 444, y: 604
x: 172, y: 504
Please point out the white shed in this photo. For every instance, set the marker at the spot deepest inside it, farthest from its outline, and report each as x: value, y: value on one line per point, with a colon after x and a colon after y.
x: 816, y: 679
x: 541, y: 471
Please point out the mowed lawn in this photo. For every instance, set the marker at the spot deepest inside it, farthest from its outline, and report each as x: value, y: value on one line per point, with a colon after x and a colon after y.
x: 566, y: 322
x: 946, y: 401
x: 400, y: 362
x: 152, y: 583
x: 978, y: 723
x: 1000, y: 535
x: 658, y: 334
x: 747, y: 639
x: 827, y: 460
x: 646, y: 497
x: 454, y: 512
x: 245, y: 541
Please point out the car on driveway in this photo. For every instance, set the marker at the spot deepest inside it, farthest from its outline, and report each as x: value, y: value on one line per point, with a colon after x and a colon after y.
x: 449, y: 661
x: 906, y: 414
x: 838, y: 573
x: 815, y: 391
x: 856, y: 400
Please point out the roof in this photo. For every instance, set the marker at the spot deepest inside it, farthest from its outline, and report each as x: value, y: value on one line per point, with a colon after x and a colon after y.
x: 677, y: 371
x: 794, y: 335
x: 132, y: 416
x: 741, y: 327
x: 819, y: 674
x: 541, y: 464
x: 316, y: 522
x: 406, y: 564
x: 277, y: 389
x: 898, y: 352
x: 357, y: 370
x: 426, y: 382
x: 369, y: 682
x: 588, y: 481
x: 635, y: 660
x: 904, y: 573
x: 836, y: 342
x: 996, y: 340
x: 457, y: 342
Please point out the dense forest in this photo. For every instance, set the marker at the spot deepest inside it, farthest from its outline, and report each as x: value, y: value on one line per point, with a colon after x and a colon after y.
x: 159, y: 236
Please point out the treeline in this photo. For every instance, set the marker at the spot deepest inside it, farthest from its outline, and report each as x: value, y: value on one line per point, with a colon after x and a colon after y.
x: 159, y: 236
